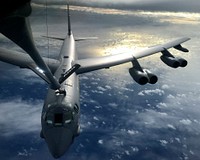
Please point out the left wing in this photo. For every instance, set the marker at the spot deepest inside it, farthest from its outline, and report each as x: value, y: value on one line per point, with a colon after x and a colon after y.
x: 92, y: 64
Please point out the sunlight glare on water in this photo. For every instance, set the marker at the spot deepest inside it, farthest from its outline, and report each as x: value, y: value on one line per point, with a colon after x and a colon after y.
x: 125, y: 42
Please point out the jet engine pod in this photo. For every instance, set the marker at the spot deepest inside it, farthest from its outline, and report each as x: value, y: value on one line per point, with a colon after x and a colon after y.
x: 183, y: 62
x: 180, y: 48
x: 170, y: 61
x: 152, y: 77
x: 139, y: 76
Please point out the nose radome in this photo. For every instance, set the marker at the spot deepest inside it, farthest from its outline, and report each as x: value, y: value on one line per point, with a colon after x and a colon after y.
x: 57, y: 153
x: 58, y: 141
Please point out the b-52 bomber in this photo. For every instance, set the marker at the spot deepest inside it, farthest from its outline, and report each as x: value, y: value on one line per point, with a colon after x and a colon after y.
x: 61, y: 110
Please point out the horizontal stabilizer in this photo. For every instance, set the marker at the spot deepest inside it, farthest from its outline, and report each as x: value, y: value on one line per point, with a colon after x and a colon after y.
x: 77, y: 39
x: 85, y: 38
x: 55, y: 38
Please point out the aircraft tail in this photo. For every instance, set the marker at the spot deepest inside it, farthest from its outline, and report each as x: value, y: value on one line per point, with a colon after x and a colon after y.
x: 70, y: 31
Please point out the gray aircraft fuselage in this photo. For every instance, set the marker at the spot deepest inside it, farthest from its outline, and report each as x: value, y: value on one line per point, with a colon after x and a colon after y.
x: 61, y: 111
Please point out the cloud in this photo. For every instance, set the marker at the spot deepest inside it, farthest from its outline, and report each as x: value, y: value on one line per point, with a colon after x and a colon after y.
x: 158, y: 5
x: 18, y: 116
x: 186, y: 121
x: 151, y: 92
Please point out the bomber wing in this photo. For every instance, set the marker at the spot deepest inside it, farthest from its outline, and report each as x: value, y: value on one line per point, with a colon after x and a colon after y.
x: 91, y: 64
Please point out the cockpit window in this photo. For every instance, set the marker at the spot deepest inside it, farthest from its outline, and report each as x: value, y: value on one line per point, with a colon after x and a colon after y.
x: 59, y: 116
x: 58, y: 119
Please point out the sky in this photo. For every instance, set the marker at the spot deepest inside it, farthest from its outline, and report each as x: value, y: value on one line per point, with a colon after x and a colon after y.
x: 166, y: 5
x: 120, y: 118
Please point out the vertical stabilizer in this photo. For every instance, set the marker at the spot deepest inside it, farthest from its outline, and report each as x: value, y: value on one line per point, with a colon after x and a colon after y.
x: 69, y: 22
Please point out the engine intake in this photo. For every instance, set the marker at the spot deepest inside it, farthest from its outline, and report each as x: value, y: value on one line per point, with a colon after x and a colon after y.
x: 183, y: 62
x: 152, y: 77
x: 139, y: 76
x: 143, y: 77
x: 174, y: 62
x: 170, y: 61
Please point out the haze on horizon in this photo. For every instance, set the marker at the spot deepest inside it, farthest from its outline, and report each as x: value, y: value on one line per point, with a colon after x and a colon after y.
x: 152, y: 5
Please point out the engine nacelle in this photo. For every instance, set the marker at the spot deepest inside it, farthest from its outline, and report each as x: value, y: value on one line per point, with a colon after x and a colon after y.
x: 152, y: 77
x: 170, y: 61
x: 180, y: 48
x: 174, y: 62
x: 183, y: 62
x: 139, y: 76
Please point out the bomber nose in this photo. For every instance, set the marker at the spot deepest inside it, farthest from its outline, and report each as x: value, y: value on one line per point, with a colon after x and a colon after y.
x: 56, y: 154
x: 57, y: 127
x: 58, y: 140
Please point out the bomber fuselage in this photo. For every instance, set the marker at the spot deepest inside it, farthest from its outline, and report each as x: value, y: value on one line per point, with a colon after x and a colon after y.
x: 61, y: 111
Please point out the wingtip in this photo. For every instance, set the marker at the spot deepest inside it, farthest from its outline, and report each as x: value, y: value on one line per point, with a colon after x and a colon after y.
x: 185, y: 38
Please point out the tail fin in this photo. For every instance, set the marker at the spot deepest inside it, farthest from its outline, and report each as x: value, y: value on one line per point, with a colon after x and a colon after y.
x: 69, y: 22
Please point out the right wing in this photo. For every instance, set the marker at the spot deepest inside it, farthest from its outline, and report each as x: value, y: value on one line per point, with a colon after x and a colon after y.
x: 91, y: 64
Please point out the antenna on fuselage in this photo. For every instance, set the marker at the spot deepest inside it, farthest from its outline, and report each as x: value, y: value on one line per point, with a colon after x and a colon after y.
x: 69, y: 22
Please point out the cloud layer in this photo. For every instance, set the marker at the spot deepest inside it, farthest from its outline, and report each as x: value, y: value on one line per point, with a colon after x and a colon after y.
x: 158, y: 5
x: 18, y: 117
